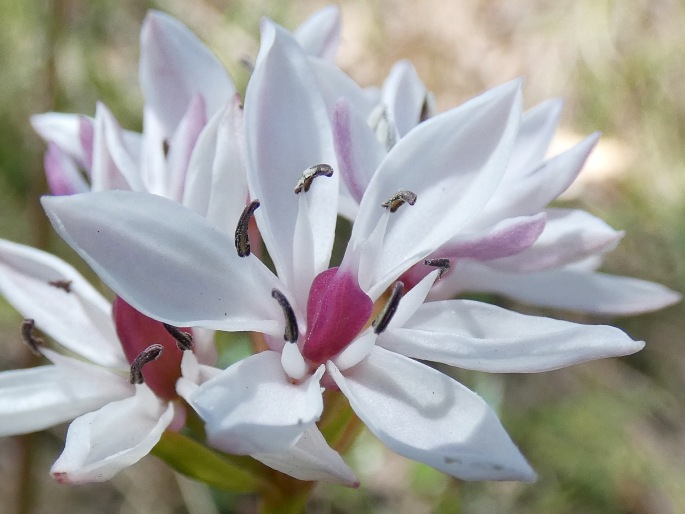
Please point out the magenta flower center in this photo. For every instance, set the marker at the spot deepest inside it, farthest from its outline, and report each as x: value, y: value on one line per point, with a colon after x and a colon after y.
x: 337, y: 310
x: 136, y: 332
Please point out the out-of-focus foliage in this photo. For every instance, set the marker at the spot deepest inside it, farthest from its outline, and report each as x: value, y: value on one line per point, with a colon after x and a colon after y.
x: 605, y: 437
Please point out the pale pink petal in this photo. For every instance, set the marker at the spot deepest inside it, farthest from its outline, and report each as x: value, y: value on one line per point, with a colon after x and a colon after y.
x: 37, y: 398
x: 426, y: 416
x: 62, y: 174
x: 319, y: 35
x: 288, y: 131
x: 168, y: 262
x: 477, y: 335
x: 577, y: 290
x: 71, y: 311
x: 454, y: 163
x: 311, y: 459
x: 175, y: 66
x: 252, y: 407
x: 334, y: 84
x: 404, y: 95
x: 63, y: 130
x: 100, y: 444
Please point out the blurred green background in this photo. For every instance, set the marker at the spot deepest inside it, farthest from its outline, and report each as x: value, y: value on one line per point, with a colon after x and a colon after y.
x: 604, y: 437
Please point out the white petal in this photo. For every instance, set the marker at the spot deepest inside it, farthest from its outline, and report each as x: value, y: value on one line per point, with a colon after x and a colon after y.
x: 102, y: 443
x: 79, y: 320
x: 62, y: 174
x: 252, y: 407
x: 216, y: 185
x: 538, y: 126
x: 569, y: 236
x: 288, y: 131
x: 167, y: 261
x: 311, y: 459
x: 477, y: 335
x: 335, y: 84
x: 63, y: 130
x: 404, y: 95
x: 453, y: 162
x: 174, y: 67
x: 37, y: 398
x: 583, y: 291
x: 422, y: 414
x: 319, y: 35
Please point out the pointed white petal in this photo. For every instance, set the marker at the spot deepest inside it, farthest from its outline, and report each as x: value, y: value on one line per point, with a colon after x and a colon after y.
x: 288, y: 131
x: 168, y: 262
x: 453, y: 162
x: 78, y: 319
x: 422, y: 414
x: 63, y: 130
x: 538, y: 126
x: 404, y: 95
x: 335, y: 84
x: 578, y: 290
x: 37, y: 398
x: 477, y: 335
x: 216, y: 185
x: 252, y: 407
x: 311, y: 459
x: 319, y: 35
x: 569, y: 236
x: 174, y: 67
x: 102, y: 443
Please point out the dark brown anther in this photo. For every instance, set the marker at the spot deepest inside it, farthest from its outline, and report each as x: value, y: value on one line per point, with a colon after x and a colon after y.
x: 310, y: 174
x: 383, y: 319
x: 242, y: 240
x: 31, y: 341
x: 151, y: 353
x: 247, y: 63
x: 427, y: 108
x: 442, y: 263
x: 65, y: 285
x: 184, y: 340
x: 398, y: 199
x: 291, y: 331
x: 165, y: 148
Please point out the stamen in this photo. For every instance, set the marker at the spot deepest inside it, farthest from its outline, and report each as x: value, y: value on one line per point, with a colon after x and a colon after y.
x: 380, y: 123
x: 310, y: 174
x: 383, y: 319
x: 399, y: 199
x: 291, y: 331
x: 151, y: 353
x: 242, y: 240
x: 184, y: 340
x: 31, y: 341
x: 165, y: 148
x: 442, y: 263
x: 61, y: 284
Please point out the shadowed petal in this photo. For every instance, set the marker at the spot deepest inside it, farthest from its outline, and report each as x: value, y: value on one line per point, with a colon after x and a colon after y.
x: 252, y: 407
x: 102, y: 443
x: 404, y: 95
x: 476, y: 335
x: 166, y: 261
x: 61, y: 173
x: 422, y: 414
x: 319, y: 35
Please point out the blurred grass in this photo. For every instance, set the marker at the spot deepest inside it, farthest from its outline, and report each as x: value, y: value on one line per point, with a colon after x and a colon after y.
x: 605, y: 437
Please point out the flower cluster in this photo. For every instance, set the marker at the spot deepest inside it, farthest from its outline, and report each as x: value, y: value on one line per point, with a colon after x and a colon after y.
x: 173, y: 220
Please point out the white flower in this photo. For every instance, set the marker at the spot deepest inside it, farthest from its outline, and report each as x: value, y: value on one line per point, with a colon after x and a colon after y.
x: 177, y: 267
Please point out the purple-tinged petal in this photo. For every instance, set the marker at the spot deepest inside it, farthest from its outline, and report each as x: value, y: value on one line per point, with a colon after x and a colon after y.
x: 426, y: 416
x: 509, y: 237
x: 454, y: 163
x: 181, y: 147
x: 480, y: 336
x: 87, y: 137
x: 334, y: 84
x: 168, y: 262
x: 62, y: 174
x: 319, y: 35
x: 100, y: 444
x: 311, y: 459
x: 569, y: 236
x: 63, y: 304
x: 216, y: 185
x: 37, y: 398
x: 64, y: 130
x: 175, y: 66
x: 252, y: 406
x: 538, y: 126
x: 288, y: 131
x: 358, y: 150
x: 577, y: 290
x: 404, y: 95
